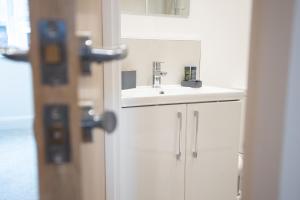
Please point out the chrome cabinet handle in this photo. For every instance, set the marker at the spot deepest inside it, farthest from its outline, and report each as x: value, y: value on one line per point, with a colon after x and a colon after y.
x: 178, y: 151
x: 195, y: 150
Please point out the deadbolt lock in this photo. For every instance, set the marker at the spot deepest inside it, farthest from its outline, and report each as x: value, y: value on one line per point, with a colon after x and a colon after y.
x: 57, y: 130
x: 57, y: 133
x: 89, y: 121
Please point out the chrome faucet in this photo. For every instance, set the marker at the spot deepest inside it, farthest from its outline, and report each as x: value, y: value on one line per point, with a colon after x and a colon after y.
x: 157, y: 74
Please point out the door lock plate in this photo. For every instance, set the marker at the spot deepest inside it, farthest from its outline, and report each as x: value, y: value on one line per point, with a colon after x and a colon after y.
x: 56, y: 129
x: 53, y: 52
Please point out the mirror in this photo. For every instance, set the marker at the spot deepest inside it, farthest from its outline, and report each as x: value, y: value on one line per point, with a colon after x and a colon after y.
x: 178, y: 8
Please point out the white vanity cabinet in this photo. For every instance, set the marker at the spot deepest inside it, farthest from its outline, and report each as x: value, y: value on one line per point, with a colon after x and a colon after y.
x: 185, y: 151
x: 152, y: 153
x: 213, y: 131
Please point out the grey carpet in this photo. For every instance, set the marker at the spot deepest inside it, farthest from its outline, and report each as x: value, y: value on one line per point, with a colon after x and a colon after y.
x: 18, y: 165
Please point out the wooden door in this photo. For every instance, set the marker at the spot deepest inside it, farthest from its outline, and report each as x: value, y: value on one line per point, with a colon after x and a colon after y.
x: 57, y: 181
x: 213, y: 131
x: 71, y: 167
x: 152, y: 153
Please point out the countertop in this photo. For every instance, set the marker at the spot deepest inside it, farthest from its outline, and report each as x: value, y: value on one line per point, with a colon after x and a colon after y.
x: 176, y: 94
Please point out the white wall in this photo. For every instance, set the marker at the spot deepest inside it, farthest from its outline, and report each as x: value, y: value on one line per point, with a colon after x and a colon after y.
x: 133, y: 6
x: 16, y: 95
x: 144, y: 52
x: 222, y: 26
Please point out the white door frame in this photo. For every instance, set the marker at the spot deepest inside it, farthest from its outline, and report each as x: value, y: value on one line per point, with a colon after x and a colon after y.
x: 272, y: 122
x: 112, y: 94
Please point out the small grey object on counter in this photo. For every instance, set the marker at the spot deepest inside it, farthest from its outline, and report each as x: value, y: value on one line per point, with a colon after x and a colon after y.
x: 193, y: 73
x: 192, y: 83
x: 128, y: 80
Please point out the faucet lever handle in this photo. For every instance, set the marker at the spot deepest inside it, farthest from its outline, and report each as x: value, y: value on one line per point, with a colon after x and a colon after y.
x: 157, y: 65
x: 163, y: 73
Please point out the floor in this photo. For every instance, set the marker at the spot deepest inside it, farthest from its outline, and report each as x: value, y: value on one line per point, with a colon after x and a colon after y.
x: 18, y: 165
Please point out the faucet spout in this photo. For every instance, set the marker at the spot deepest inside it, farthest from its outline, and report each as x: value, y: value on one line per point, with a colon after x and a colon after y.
x: 157, y: 74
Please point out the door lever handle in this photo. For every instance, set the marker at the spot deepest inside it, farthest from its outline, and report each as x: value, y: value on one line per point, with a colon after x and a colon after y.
x: 89, y: 54
x: 15, y: 54
x: 86, y: 52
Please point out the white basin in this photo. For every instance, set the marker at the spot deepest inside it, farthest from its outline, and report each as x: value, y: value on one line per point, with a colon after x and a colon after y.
x: 174, y: 94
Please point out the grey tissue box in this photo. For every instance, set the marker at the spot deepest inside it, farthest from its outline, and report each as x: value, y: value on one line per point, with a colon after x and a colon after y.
x: 192, y: 83
x: 128, y: 79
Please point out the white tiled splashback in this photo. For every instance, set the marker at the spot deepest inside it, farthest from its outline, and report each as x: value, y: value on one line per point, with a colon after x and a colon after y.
x: 174, y: 53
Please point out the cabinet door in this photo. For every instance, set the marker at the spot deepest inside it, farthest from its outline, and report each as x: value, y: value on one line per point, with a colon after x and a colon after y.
x: 151, y: 140
x: 213, y: 131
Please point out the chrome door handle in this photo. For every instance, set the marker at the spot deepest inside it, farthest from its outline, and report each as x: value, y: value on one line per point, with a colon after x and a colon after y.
x: 15, y: 54
x: 178, y: 151
x: 89, y: 54
x: 195, y: 150
x: 86, y: 52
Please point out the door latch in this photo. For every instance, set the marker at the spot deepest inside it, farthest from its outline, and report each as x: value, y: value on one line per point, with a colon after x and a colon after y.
x: 53, y: 52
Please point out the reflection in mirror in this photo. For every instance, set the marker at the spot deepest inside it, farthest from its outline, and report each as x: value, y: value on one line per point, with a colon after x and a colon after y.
x: 133, y: 6
x: 156, y: 7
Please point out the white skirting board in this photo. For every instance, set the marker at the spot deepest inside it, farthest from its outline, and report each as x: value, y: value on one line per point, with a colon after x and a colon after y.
x: 13, y: 123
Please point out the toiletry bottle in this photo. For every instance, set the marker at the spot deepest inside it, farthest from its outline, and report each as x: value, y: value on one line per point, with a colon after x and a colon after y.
x: 187, y: 73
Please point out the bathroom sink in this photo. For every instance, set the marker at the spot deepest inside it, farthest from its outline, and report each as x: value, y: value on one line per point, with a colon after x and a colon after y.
x: 174, y: 94
x: 144, y: 91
